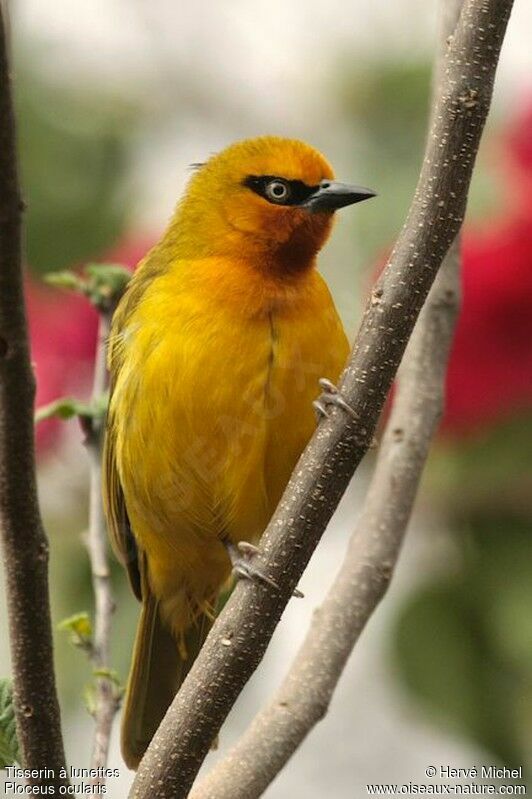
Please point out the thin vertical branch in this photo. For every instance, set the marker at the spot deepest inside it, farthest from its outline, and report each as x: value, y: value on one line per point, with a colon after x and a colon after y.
x: 106, y: 699
x: 25, y: 545
x: 325, y: 468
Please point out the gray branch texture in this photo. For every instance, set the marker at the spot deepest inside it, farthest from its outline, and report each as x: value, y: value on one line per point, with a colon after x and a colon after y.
x: 24, y: 542
x: 106, y: 701
x: 325, y: 468
x: 304, y: 696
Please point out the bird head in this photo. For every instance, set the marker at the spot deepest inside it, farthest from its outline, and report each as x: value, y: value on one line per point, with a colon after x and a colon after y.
x: 268, y: 199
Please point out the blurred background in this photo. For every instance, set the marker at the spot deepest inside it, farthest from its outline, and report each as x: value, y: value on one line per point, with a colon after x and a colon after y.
x: 115, y: 100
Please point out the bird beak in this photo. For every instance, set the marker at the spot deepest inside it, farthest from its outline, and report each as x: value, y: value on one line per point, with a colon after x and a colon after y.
x: 331, y: 195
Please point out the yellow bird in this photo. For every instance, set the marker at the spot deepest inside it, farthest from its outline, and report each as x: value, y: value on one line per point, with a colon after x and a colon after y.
x: 215, y: 353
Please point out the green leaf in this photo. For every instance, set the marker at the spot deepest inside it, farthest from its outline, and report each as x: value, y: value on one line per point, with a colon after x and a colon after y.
x: 114, y: 678
x: 9, y: 747
x: 89, y: 692
x: 102, y: 284
x: 89, y: 698
x: 109, y: 674
x: 64, y: 280
x: 80, y: 628
x: 87, y: 144
x: 111, y: 279
x: 63, y: 408
x: 68, y: 407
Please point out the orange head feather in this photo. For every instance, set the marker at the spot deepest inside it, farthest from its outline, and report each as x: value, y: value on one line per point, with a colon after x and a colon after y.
x: 269, y: 200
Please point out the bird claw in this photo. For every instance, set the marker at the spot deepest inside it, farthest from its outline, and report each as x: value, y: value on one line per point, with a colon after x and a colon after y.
x: 331, y: 396
x: 244, y: 570
x: 247, y: 549
x: 241, y: 556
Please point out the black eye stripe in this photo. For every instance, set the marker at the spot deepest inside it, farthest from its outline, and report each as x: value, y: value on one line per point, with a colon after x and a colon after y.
x: 299, y: 192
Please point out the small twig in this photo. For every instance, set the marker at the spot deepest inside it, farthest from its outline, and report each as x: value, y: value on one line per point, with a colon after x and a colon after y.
x: 304, y: 696
x: 325, y: 468
x: 25, y: 545
x: 106, y: 699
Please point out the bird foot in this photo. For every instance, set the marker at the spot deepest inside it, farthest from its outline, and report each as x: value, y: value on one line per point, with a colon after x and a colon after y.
x: 331, y: 396
x: 242, y: 556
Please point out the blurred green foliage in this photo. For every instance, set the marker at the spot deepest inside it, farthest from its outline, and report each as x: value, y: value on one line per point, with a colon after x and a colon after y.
x: 494, y: 464
x: 463, y: 645
x: 75, y: 144
x: 387, y: 104
x: 9, y: 746
x: 392, y: 100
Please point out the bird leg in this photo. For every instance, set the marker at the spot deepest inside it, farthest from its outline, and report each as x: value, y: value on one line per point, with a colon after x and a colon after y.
x: 242, y: 556
x: 331, y: 396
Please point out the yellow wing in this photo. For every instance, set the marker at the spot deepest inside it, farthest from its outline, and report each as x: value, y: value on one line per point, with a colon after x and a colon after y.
x: 120, y: 535
x: 119, y: 528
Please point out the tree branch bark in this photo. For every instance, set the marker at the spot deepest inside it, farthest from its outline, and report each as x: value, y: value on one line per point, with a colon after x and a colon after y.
x: 25, y: 545
x: 304, y: 696
x: 325, y: 468
x: 106, y: 699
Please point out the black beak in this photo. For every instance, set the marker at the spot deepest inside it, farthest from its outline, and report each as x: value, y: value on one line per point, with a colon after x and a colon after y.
x: 331, y: 195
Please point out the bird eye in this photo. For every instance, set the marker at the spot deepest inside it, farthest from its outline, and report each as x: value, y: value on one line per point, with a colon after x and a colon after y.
x: 278, y: 191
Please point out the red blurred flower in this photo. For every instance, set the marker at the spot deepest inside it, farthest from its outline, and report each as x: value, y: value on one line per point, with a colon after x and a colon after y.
x: 490, y: 369
x: 63, y: 339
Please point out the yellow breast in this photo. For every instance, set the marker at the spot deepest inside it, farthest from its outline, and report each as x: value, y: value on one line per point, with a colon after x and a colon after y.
x: 214, y: 406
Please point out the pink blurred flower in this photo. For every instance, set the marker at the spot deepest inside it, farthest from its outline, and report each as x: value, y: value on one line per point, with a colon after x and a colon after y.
x: 490, y: 369
x: 63, y: 339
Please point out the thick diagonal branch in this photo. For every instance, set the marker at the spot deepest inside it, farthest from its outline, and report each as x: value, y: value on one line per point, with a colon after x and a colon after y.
x: 25, y: 546
x: 304, y: 696
x: 325, y: 468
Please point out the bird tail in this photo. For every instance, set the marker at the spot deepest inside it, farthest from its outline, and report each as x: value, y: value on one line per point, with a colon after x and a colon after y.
x: 159, y: 666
